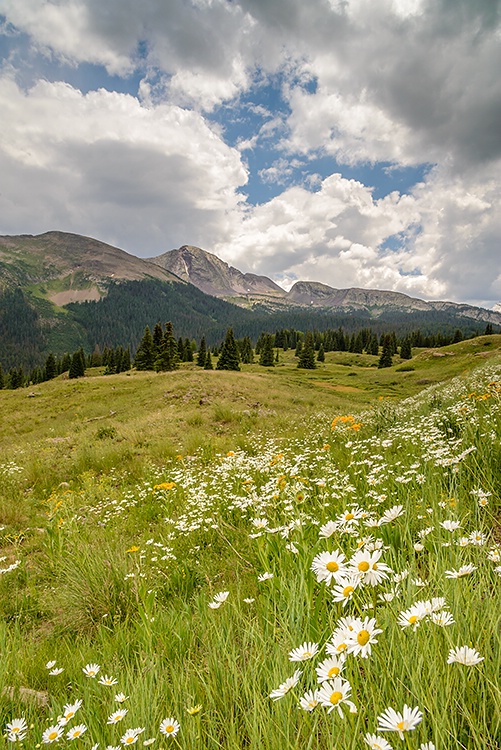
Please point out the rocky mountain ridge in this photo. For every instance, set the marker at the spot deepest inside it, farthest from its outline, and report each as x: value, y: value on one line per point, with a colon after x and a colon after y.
x: 213, y: 276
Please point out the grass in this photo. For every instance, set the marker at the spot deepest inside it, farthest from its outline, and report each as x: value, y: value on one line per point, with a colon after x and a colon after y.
x: 129, y: 502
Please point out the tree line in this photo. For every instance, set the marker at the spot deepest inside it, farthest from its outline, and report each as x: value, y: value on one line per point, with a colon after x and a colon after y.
x: 161, y: 352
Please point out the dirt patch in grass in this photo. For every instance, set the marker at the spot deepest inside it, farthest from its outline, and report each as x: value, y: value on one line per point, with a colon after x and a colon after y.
x: 340, y: 388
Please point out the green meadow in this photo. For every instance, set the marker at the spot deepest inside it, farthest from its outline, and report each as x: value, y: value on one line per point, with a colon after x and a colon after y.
x: 275, y: 558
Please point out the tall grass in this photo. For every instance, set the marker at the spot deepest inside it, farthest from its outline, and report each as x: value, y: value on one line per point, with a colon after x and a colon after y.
x: 119, y: 568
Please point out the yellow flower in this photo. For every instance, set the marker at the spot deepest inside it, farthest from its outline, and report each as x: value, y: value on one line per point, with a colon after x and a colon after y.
x: 134, y: 548
x: 194, y: 709
x: 165, y: 486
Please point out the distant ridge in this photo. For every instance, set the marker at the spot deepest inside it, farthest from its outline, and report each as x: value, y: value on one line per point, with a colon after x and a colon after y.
x: 213, y: 276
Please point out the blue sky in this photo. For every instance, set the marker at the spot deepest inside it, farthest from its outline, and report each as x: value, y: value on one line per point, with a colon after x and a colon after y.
x: 353, y: 143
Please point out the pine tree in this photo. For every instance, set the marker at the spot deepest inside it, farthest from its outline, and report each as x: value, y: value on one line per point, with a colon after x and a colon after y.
x: 299, y: 348
x: 266, y: 358
x: 180, y: 350
x: 228, y: 358
x: 406, y: 349
x: 96, y: 359
x: 307, y: 356
x: 158, y: 334
x: 168, y: 358
x: 208, y: 361
x: 488, y: 329
x: 188, y: 351
x: 321, y: 354
x: 374, y: 346
x: 202, y: 353
x: 385, y: 360
x: 245, y: 351
x: 144, y: 359
x: 66, y: 362
x: 77, y: 367
x: 50, y: 370
x: 2, y: 379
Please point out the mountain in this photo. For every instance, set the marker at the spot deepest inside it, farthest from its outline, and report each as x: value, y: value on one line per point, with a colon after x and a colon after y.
x: 63, y: 267
x: 61, y: 291
x: 378, y: 302
x: 213, y: 276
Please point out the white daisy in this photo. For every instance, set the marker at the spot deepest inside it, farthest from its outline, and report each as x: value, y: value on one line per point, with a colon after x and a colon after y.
x: 170, y: 727
x: 334, y: 693
x: 284, y: 688
x: 393, y: 721
x: 464, y: 655
x: 304, y: 652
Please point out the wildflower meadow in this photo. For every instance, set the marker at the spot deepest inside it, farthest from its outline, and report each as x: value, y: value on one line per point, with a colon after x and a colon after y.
x: 337, y: 589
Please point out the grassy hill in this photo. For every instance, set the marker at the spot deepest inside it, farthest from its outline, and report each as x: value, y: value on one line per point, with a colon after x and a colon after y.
x: 177, y: 536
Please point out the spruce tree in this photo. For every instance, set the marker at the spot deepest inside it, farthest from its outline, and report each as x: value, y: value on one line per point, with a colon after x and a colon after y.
x: 385, y: 360
x: 180, y: 350
x: 2, y: 379
x: 266, y: 358
x: 406, y: 349
x: 299, y: 348
x: 307, y: 356
x: 208, y: 361
x: 77, y: 367
x: 144, y: 359
x: 66, y: 362
x: 321, y: 354
x: 158, y: 334
x: 50, y: 370
x: 168, y: 358
x: 188, y: 351
x: 228, y: 358
x: 374, y: 346
x: 202, y: 353
x: 488, y: 329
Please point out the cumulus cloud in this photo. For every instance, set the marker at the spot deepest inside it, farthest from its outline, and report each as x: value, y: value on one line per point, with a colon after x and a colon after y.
x: 104, y: 164
x: 400, y: 82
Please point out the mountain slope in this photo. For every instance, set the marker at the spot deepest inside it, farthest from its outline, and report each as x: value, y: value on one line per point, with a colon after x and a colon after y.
x: 213, y: 276
x: 64, y: 267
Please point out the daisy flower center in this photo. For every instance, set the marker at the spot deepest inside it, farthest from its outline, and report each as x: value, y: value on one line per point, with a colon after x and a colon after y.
x: 363, y: 637
x: 348, y: 590
x: 401, y: 725
x: 374, y: 566
x: 413, y: 619
x: 363, y: 566
x: 333, y: 671
x: 335, y: 697
x: 169, y: 728
x: 349, y: 516
x: 332, y: 566
x: 52, y: 736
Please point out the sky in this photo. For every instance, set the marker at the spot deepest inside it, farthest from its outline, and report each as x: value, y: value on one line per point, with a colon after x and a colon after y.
x: 356, y: 143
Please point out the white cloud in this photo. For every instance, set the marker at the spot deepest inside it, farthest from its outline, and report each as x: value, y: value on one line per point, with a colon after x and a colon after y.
x: 409, y: 82
x: 103, y: 164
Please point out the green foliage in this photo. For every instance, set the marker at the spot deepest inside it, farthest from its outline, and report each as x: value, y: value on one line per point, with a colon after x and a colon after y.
x: 266, y: 355
x: 202, y: 353
x: 168, y: 357
x: 228, y: 357
x: 145, y: 355
x: 307, y: 354
x: 77, y: 367
x: 385, y: 359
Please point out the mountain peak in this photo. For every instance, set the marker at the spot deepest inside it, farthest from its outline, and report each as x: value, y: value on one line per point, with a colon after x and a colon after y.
x: 213, y: 276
